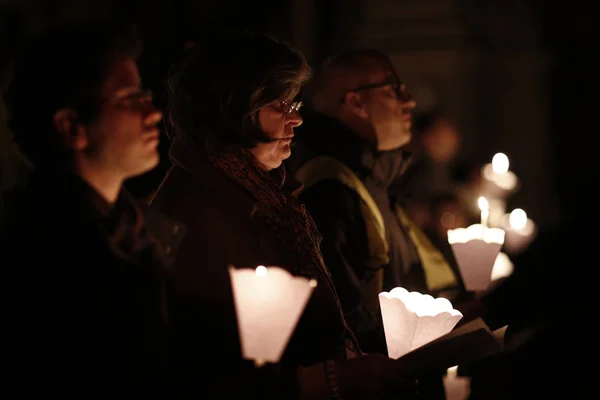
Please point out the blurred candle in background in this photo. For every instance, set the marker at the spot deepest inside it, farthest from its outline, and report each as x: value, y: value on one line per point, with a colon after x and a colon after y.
x: 520, y: 231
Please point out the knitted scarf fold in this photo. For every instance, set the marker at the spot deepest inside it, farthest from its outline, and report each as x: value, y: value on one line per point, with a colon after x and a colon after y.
x: 286, y: 217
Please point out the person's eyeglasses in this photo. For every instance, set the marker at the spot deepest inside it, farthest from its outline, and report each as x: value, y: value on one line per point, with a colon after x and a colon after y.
x: 135, y: 99
x: 399, y: 89
x: 288, y: 108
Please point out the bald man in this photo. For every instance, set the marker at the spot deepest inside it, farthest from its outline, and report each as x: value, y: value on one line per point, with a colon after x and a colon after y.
x: 351, y: 151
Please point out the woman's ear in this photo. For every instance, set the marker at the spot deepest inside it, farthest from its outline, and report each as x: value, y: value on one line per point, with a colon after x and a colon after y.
x: 72, y: 133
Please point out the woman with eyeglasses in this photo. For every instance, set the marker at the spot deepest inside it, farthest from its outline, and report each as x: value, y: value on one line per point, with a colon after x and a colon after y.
x: 231, y: 114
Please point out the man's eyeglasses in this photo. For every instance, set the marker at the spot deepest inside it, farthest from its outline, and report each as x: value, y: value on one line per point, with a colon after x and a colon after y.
x: 135, y: 99
x: 288, y: 108
x: 399, y: 89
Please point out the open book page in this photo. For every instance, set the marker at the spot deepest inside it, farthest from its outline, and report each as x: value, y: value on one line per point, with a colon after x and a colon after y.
x: 465, y: 344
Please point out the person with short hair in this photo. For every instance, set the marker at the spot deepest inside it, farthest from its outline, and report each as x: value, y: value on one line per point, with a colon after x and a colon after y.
x: 84, y: 306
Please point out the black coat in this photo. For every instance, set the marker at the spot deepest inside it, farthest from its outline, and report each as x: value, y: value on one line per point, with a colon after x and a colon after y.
x: 80, y: 317
x: 221, y: 230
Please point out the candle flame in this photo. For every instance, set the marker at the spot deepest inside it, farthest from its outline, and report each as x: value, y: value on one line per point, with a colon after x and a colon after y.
x: 483, y: 204
x: 451, y: 372
x: 261, y: 270
x: 500, y: 163
x: 518, y: 219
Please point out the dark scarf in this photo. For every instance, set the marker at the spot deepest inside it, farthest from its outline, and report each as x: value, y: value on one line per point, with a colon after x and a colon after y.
x: 293, y: 229
x: 285, y: 216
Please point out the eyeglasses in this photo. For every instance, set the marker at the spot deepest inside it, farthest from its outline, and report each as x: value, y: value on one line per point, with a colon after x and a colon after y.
x: 288, y: 108
x: 399, y: 89
x: 136, y: 99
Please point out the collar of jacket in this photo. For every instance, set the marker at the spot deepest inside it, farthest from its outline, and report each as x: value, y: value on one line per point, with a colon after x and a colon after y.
x: 73, y: 196
x: 324, y: 135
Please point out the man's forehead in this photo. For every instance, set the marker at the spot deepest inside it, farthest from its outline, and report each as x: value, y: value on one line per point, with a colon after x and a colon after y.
x: 377, y: 71
x: 341, y: 75
x: 376, y: 77
x: 370, y: 71
x: 122, y: 75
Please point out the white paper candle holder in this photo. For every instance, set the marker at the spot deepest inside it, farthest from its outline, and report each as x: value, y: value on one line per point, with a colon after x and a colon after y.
x: 503, y: 267
x: 475, y: 249
x: 268, y: 303
x: 412, y: 319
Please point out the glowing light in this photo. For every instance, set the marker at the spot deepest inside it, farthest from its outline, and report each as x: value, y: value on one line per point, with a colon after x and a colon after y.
x: 517, y: 219
x: 261, y: 270
x: 500, y: 163
x: 484, y: 206
x: 451, y: 373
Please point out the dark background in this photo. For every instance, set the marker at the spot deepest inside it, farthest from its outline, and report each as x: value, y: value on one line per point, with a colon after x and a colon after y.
x: 518, y: 77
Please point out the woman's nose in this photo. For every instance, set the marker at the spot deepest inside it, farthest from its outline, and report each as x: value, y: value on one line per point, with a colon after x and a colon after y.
x: 294, y: 118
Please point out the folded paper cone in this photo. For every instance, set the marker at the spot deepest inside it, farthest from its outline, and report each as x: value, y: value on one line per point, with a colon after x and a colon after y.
x: 268, y: 304
x: 503, y: 267
x: 411, y: 320
x: 475, y: 249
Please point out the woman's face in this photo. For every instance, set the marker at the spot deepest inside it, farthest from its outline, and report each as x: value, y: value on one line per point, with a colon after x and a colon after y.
x: 277, y: 121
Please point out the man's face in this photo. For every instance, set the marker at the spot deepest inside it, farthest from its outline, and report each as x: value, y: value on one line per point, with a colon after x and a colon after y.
x: 124, y: 136
x: 388, y: 109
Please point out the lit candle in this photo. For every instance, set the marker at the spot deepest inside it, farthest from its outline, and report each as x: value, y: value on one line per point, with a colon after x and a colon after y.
x: 261, y: 270
x: 500, y: 163
x: 517, y: 219
x: 269, y: 302
x: 475, y: 249
x: 520, y: 231
x: 498, y: 180
x: 451, y: 373
x: 484, y: 206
